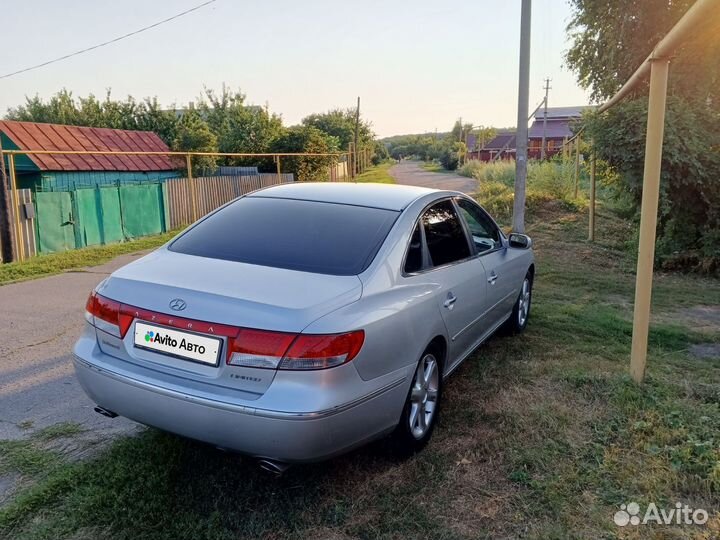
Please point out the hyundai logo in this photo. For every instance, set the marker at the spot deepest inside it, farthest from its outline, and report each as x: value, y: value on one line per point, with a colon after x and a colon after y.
x: 178, y: 304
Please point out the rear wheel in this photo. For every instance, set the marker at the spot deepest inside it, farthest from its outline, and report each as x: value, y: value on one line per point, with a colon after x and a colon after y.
x: 421, y: 406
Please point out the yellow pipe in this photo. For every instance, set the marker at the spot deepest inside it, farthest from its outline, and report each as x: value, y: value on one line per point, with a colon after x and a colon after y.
x: 648, y: 216
x: 168, y: 153
x: 591, y: 221
x: 16, y: 209
x: 188, y: 162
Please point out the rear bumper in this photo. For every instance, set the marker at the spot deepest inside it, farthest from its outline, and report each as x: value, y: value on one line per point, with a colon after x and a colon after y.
x: 281, y: 435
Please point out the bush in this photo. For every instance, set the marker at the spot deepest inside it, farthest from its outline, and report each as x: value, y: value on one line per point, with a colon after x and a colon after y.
x: 449, y: 159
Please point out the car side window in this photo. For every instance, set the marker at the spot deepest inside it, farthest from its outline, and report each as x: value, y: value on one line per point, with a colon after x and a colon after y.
x: 414, y: 258
x: 444, y: 235
x: 485, y: 234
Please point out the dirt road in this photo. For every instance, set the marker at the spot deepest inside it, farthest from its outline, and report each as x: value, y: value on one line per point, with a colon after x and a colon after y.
x: 411, y: 173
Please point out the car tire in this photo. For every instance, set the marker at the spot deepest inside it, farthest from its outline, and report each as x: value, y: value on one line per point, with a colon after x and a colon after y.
x: 422, y: 406
x: 521, y: 310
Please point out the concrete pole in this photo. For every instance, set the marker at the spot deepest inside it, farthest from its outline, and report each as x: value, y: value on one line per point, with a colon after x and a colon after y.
x: 542, y: 146
x: 591, y: 223
x: 518, y: 222
x: 648, y: 215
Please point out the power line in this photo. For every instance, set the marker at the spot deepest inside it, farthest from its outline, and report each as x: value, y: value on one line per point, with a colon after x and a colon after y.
x: 115, y: 40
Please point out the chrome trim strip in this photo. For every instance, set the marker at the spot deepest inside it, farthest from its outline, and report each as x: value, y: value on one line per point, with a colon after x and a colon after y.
x: 283, y: 415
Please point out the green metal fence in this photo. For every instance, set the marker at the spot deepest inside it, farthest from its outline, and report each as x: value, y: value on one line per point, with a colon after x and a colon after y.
x: 87, y: 217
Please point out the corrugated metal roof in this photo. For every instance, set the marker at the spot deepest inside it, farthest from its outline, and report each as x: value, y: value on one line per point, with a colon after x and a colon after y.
x: 501, y: 140
x: 562, y: 112
x: 555, y: 129
x: 37, y: 136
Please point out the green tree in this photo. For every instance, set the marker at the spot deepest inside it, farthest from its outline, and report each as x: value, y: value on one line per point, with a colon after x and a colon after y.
x: 311, y: 140
x: 609, y: 41
x: 193, y: 135
x: 340, y: 123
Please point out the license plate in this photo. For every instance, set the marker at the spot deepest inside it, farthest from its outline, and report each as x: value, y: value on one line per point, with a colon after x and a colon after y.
x: 185, y: 345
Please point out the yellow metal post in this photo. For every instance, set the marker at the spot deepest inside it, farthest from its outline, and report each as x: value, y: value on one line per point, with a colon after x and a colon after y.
x: 279, y: 174
x: 15, y: 199
x: 591, y: 222
x: 193, y: 195
x: 577, y: 165
x: 648, y: 215
x: 565, y: 149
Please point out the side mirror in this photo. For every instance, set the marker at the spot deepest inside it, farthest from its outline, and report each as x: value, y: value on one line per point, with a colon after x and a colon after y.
x: 521, y: 241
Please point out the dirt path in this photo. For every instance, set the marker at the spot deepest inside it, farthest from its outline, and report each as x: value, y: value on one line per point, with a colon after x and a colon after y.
x: 411, y: 173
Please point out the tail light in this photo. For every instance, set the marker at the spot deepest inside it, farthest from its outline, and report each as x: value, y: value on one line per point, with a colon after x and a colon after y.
x: 277, y: 350
x: 246, y: 347
x: 106, y: 315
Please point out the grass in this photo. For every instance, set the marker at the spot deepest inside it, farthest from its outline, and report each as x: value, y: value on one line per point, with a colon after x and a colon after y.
x: 378, y: 173
x: 55, y: 263
x: 542, y: 435
x: 434, y: 166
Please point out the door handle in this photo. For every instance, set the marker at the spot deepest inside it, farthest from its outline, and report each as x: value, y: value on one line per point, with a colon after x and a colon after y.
x: 492, y: 278
x: 450, y: 301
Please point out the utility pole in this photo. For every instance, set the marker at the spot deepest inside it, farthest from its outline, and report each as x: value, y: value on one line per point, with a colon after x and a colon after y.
x: 542, y: 147
x: 357, y: 132
x: 6, y: 235
x: 518, y: 224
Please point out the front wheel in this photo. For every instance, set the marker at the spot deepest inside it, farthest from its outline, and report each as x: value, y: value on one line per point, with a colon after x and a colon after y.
x: 521, y: 310
x: 421, y: 406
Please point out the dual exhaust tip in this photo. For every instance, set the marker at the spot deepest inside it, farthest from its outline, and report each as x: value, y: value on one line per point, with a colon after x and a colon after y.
x: 276, y: 468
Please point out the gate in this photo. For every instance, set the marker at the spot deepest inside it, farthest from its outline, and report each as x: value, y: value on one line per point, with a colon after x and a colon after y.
x: 55, y: 221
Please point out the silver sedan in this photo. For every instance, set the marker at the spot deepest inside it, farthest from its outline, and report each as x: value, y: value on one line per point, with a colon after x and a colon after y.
x: 303, y: 320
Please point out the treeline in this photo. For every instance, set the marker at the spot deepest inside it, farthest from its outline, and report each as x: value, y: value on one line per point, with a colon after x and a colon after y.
x: 217, y: 122
x: 449, y: 148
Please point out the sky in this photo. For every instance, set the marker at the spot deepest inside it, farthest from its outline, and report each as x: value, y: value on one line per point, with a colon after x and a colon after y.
x: 418, y: 65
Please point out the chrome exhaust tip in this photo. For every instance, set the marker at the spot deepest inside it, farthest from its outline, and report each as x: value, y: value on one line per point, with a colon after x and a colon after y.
x: 276, y: 468
x: 105, y: 412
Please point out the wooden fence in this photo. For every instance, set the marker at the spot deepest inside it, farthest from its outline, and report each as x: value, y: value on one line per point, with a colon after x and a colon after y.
x: 211, y: 192
x: 22, y: 211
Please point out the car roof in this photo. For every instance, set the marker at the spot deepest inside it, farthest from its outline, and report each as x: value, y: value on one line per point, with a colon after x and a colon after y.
x: 385, y: 196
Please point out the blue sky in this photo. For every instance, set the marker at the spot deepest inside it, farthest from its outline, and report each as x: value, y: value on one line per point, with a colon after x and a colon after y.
x: 417, y: 64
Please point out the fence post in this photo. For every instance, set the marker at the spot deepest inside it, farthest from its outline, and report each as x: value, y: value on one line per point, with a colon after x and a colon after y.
x: 277, y: 163
x: 648, y: 215
x: 577, y: 165
x: 191, y: 180
x: 351, y: 161
x: 591, y: 222
x: 15, y: 199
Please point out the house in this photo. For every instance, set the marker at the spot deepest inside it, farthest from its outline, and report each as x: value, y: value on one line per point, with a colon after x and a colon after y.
x: 502, y: 146
x: 66, y: 172
x: 557, y: 128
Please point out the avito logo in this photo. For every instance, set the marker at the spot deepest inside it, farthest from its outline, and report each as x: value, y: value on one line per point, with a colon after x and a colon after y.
x: 156, y: 337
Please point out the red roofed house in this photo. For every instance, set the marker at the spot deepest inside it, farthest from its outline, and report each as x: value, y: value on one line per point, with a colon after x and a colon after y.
x: 558, y: 127
x: 66, y: 172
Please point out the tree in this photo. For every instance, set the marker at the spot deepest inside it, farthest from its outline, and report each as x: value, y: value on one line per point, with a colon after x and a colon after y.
x: 194, y: 135
x: 609, y: 41
x: 311, y: 140
x: 340, y: 124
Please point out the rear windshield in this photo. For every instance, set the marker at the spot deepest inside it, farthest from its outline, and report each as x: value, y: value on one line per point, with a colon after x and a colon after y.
x: 311, y: 236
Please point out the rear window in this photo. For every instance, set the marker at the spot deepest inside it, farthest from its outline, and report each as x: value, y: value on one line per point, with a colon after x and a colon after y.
x: 310, y: 236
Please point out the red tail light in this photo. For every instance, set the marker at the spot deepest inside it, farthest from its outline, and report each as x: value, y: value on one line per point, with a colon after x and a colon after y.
x: 320, y: 352
x: 258, y: 348
x: 246, y: 347
x: 107, y: 315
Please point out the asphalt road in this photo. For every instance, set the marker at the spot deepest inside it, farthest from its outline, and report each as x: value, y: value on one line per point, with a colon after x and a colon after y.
x: 412, y: 174
x: 39, y: 323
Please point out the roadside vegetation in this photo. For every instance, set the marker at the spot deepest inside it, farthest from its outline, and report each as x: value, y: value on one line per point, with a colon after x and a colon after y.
x: 378, y: 173
x: 541, y: 436
x: 55, y: 263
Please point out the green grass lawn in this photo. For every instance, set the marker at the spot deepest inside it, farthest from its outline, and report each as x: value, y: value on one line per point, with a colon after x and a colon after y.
x: 55, y: 263
x: 378, y: 173
x: 541, y: 435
